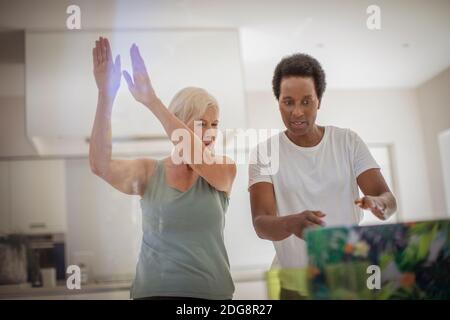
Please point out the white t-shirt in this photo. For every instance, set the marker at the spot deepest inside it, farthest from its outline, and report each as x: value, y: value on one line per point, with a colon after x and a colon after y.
x: 321, y: 178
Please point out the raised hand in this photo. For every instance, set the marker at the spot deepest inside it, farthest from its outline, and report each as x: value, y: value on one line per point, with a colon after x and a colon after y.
x: 106, y: 72
x: 374, y: 205
x: 140, y: 85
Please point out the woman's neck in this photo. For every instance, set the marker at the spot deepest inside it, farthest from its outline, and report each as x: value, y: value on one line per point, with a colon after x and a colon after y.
x: 181, y: 167
x: 309, y: 139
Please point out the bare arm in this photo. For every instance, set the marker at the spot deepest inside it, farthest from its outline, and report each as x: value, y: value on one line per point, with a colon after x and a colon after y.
x: 128, y: 176
x: 378, y: 198
x: 219, y: 171
x: 272, y: 227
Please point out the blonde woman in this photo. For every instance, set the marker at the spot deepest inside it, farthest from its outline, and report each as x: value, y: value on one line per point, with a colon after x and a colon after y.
x: 183, y: 203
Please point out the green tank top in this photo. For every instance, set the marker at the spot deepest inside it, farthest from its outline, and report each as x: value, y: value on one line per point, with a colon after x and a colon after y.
x: 182, y: 251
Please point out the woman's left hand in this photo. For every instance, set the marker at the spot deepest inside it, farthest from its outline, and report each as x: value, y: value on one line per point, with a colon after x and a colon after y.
x: 373, y: 204
x: 106, y: 70
x: 140, y: 85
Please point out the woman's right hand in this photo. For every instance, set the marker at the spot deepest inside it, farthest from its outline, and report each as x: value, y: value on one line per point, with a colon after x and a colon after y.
x: 297, y: 223
x: 106, y: 71
x: 140, y: 84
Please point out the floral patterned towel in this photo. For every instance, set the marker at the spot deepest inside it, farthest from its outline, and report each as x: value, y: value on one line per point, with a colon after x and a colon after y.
x: 411, y: 259
x: 396, y: 261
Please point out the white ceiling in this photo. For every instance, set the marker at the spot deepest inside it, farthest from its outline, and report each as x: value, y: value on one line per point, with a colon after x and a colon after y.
x: 411, y: 47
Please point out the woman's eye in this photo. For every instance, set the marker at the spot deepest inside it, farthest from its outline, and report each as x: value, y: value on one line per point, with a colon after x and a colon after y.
x: 305, y: 102
x: 288, y: 103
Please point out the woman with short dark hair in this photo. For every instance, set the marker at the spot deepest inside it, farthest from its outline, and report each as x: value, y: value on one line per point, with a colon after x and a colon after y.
x: 319, y: 169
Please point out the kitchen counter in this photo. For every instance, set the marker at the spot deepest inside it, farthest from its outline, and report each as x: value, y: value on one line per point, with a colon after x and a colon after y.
x: 61, y: 291
x: 103, y: 290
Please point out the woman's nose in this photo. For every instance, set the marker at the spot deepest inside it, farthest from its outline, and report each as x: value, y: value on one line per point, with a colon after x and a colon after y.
x: 209, y: 133
x: 298, y: 111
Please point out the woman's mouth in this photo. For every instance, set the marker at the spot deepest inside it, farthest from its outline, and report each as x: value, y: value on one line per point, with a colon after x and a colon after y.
x: 300, y: 124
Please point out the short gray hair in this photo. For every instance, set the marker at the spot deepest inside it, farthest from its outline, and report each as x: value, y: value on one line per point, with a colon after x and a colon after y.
x: 191, y: 103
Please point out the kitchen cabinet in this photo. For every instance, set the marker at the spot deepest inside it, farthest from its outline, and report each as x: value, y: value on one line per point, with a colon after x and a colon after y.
x: 5, y: 221
x: 37, y: 196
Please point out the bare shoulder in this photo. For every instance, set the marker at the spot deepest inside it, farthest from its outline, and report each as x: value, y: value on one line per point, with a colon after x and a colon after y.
x: 149, y: 166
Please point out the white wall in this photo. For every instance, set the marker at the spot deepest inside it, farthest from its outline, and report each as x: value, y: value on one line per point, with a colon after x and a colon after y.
x: 378, y: 116
x: 434, y: 101
x: 444, y: 146
x: 246, y: 251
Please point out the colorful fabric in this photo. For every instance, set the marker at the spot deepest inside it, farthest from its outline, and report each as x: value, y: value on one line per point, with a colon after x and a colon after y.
x: 413, y: 261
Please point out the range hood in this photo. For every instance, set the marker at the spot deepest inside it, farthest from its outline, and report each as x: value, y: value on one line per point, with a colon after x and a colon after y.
x: 127, y: 146
x: 61, y: 94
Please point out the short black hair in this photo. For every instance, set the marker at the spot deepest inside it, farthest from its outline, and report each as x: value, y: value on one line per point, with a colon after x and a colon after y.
x: 299, y: 65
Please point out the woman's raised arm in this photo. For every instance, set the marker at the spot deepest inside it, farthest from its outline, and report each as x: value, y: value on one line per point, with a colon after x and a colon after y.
x: 219, y: 171
x: 128, y: 176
